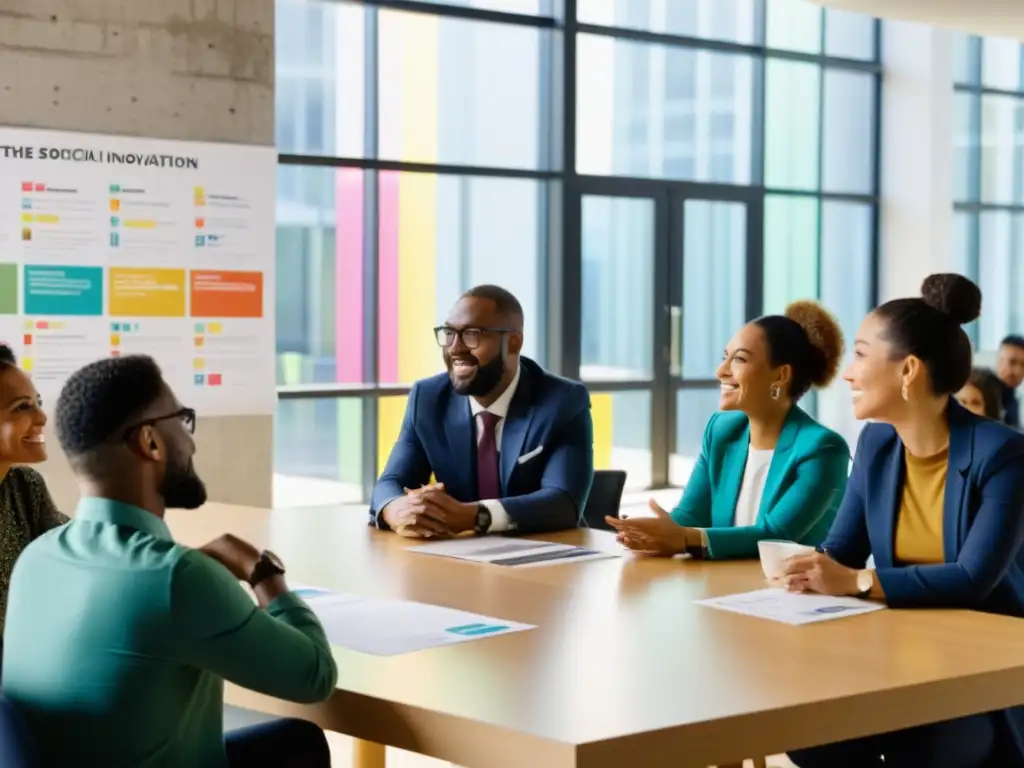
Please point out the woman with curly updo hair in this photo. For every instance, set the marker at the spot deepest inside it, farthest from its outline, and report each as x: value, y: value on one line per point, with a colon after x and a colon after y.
x: 767, y: 470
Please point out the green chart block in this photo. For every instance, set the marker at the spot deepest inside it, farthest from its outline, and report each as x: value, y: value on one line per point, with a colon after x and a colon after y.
x: 8, y: 289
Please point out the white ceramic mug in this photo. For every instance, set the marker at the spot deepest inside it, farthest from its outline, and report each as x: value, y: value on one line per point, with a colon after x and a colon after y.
x: 774, y: 552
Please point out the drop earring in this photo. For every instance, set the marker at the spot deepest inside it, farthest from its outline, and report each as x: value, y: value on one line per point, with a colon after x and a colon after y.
x: 905, y: 393
x: 776, y: 392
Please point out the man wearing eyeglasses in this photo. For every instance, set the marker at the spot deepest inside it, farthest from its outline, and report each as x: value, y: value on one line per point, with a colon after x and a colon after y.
x: 118, y: 640
x: 494, y: 445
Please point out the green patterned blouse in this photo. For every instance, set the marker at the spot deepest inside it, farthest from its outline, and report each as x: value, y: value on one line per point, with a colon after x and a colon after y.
x: 26, y: 512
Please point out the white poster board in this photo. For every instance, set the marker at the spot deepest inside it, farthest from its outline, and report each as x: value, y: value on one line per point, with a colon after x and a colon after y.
x: 112, y: 246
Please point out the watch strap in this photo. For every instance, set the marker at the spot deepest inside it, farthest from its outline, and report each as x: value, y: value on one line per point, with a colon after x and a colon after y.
x: 268, y: 565
x: 483, y: 520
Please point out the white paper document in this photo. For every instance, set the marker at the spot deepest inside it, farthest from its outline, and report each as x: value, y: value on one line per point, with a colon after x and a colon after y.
x: 513, y: 553
x: 792, y: 607
x: 390, y: 627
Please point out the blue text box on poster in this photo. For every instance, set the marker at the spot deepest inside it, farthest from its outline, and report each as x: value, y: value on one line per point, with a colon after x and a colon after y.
x: 63, y: 290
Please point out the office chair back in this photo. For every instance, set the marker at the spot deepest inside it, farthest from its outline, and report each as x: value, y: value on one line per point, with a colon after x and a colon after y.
x: 605, y: 498
x: 17, y: 749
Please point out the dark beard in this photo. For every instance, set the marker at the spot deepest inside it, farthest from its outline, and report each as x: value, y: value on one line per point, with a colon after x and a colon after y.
x: 487, y: 378
x: 183, y: 488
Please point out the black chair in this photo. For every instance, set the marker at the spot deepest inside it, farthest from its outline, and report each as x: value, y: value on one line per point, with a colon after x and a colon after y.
x: 17, y: 750
x: 605, y: 498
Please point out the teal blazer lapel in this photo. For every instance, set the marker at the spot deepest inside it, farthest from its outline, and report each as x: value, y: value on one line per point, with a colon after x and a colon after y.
x: 734, y: 461
x: 777, y: 469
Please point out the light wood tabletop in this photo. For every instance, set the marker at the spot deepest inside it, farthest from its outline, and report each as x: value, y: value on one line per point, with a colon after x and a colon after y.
x: 623, y: 667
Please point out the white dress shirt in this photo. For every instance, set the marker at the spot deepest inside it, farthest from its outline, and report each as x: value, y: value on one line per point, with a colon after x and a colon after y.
x: 755, y: 473
x: 499, y: 517
x: 752, y: 489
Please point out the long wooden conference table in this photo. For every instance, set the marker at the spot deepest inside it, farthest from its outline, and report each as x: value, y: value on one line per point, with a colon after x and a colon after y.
x: 623, y: 668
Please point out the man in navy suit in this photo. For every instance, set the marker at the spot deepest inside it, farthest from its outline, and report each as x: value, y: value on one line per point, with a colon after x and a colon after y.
x: 510, y: 446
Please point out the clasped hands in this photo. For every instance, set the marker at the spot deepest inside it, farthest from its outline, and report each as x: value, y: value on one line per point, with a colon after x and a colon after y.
x: 429, y: 513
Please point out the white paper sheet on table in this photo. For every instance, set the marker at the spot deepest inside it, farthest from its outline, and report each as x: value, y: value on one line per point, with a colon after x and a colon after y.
x: 792, y: 607
x: 389, y: 627
x: 513, y: 553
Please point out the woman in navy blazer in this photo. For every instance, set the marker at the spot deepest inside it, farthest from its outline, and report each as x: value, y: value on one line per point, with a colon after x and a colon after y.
x: 937, y: 495
x: 766, y: 469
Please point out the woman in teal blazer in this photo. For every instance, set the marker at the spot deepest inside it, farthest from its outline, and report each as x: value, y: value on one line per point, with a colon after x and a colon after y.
x: 766, y: 470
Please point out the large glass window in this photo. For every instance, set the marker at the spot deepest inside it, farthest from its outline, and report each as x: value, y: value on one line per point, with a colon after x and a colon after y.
x: 988, y: 188
x: 697, y: 163
x: 663, y: 111
x: 457, y: 91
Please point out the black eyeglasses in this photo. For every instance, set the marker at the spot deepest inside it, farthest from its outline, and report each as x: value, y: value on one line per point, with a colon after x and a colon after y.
x: 470, y: 336
x: 187, y: 416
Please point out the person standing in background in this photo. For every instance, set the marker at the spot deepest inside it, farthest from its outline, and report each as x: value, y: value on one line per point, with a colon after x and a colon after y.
x: 1010, y: 370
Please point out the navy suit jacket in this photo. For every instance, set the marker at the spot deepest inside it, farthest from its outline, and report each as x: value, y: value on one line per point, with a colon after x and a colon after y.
x: 548, y: 425
x: 982, y: 526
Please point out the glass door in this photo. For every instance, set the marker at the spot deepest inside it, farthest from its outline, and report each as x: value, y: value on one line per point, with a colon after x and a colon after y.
x: 666, y: 278
x: 623, y: 253
x: 714, y: 288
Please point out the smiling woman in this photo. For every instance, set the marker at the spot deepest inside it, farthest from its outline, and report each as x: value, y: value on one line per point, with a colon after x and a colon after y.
x: 26, y: 509
x: 767, y: 470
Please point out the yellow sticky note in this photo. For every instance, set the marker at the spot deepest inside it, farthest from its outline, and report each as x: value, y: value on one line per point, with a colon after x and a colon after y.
x: 198, y: 363
x: 28, y: 325
x: 114, y: 339
x: 26, y: 217
x: 26, y: 364
x: 214, y: 328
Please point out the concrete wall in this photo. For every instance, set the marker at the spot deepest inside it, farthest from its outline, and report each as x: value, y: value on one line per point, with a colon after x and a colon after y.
x: 917, y: 157
x: 178, y: 69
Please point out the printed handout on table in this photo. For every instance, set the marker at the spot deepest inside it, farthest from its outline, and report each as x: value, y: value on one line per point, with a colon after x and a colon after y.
x: 792, y: 607
x: 384, y: 627
x: 514, y: 553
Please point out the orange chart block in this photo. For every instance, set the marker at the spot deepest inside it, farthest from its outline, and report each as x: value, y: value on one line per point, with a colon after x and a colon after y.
x: 222, y: 293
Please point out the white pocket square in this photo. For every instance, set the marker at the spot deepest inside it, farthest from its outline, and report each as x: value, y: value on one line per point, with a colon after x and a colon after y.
x: 531, y: 455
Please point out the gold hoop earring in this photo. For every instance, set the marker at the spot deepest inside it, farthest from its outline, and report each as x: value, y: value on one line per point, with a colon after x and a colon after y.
x: 776, y: 392
x: 906, y: 394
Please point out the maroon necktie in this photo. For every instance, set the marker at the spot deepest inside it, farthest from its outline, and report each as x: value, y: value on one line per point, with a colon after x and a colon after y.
x: 487, y: 483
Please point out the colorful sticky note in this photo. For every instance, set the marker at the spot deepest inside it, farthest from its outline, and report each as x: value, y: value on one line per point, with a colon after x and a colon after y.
x: 115, y: 205
x: 214, y: 379
x: 26, y: 217
x: 27, y: 340
x: 200, y: 223
x: 26, y: 186
x: 146, y: 292
x: 200, y: 327
x: 115, y: 353
x: 198, y: 363
x: 199, y: 341
x: 215, y: 328
x: 40, y: 187
x: 26, y: 363
x: 199, y: 379
x: 114, y: 339
x: 28, y: 325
